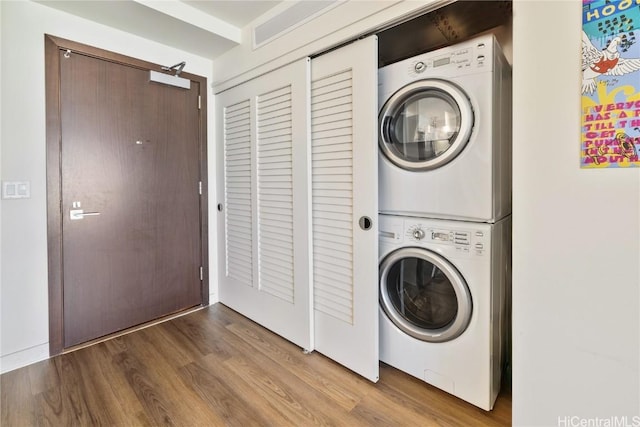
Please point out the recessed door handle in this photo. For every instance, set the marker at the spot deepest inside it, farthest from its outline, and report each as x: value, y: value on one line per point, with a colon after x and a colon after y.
x: 365, y: 223
x: 80, y: 213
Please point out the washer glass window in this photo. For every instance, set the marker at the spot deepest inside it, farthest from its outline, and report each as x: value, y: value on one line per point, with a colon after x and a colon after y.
x: 424, y: 295
x: 425, y: 124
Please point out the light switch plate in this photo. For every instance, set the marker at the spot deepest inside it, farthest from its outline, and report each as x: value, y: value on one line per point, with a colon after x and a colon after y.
x: 16, y: 189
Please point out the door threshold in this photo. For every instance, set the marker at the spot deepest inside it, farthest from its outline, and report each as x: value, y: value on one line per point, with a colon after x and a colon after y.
x: 133, y: 329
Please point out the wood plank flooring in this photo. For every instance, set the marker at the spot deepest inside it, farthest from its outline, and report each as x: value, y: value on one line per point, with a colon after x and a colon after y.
x: 213, y: 367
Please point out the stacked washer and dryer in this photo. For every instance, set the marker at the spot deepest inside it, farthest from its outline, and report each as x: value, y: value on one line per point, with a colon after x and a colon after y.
x: 444, y: 223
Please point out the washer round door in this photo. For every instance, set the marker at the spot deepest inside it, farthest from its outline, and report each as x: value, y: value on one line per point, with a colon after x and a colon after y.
x: 424, y: 295
x: 425, y: 125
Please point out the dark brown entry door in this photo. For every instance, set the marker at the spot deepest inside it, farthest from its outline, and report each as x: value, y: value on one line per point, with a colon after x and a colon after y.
x: 130, y: 164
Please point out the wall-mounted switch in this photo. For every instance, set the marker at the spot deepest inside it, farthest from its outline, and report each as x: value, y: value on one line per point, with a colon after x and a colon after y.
x: 16, y: 190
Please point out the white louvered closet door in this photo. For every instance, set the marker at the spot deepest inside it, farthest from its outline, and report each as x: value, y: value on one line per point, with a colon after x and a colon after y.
x: 264, y: 217
x: 344, y: 192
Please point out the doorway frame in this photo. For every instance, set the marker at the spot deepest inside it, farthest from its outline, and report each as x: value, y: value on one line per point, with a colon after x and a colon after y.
x: 53, y: 45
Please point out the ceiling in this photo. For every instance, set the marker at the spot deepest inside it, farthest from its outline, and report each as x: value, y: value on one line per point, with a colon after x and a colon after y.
x: 206, y: 28
x: 209, y: 28
x: 235, y: 12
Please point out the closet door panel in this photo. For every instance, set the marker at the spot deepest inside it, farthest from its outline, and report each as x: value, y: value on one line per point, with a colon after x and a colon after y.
x: 264, y: 158
x: 237, y: 168
x: 344, y: 189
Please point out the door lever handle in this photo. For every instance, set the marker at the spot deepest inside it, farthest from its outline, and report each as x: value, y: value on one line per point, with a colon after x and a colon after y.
x: 80, y: 213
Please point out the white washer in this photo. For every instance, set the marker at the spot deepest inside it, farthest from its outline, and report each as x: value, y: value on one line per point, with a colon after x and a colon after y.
x: 443, y: 302
x: 445, y: 133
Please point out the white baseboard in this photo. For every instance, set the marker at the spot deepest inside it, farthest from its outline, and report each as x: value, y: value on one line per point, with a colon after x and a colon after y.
x: 21, y: 358
x: 213, y: 298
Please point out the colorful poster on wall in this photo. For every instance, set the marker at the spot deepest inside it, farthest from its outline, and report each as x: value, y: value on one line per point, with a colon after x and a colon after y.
x: 610, y: 84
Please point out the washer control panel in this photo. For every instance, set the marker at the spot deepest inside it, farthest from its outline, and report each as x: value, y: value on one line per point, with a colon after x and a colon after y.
x: 464, y: 241
x: 451, y: 238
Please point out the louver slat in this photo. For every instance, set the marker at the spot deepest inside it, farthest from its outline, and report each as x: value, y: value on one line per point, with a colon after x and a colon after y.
x: 275, y: 193
x: 237, y: 171
x: 332, y: 188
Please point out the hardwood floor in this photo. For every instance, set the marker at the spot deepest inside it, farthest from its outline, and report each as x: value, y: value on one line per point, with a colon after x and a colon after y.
x: 214, y: 367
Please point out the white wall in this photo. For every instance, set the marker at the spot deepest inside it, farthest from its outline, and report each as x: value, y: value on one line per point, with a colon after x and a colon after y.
x: 347, y: 21
x: 576, y: 241
x: 24, y: 320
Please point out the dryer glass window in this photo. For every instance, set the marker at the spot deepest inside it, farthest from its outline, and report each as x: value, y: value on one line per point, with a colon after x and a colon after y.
x: 422, y: 293
x: 424, y: 126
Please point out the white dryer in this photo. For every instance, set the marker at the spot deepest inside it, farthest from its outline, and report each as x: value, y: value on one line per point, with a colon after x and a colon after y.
x: 445, y: 133
x: 443, y: 302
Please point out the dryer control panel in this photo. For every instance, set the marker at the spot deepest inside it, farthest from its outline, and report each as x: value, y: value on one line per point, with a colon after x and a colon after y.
x: 474, y: 55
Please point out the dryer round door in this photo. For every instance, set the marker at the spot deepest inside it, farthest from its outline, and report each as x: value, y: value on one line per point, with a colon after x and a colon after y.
x: 425, y: 125
x: 424, y: 295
